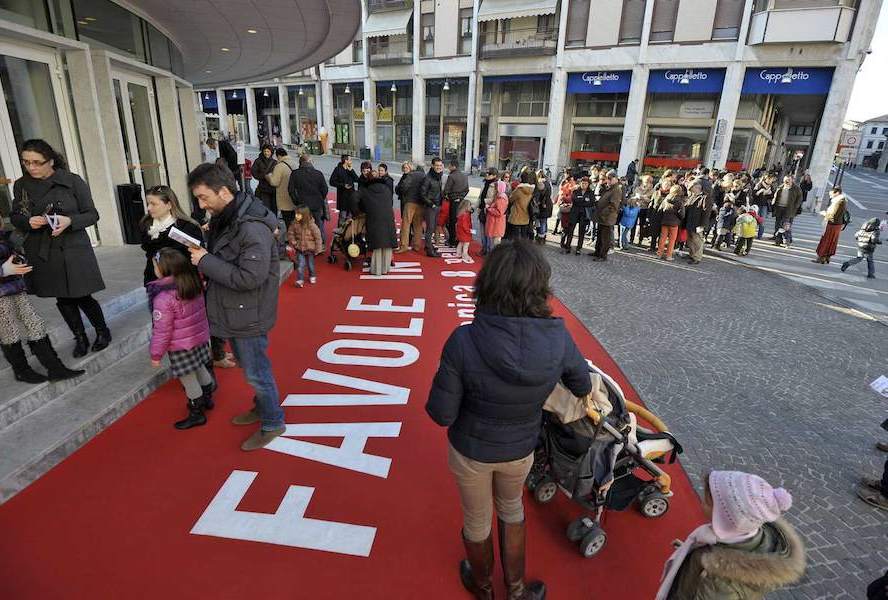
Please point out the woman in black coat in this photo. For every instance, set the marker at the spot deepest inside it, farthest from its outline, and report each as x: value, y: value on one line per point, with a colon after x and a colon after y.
x: 53, y: 208
x: 164, y: 213
x: 262, y: 166
x: 581, y: 210
x: 375, y: 202
x: 494, y: 376
x: 345, y: 180
x: 542, y: 201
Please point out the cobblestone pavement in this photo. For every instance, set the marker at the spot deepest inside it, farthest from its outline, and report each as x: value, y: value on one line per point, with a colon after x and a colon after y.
x: 755, y: 372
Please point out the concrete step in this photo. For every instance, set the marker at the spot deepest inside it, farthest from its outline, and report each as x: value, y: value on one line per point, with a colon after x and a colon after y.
x: 42, y: 439
x: 130, y: 330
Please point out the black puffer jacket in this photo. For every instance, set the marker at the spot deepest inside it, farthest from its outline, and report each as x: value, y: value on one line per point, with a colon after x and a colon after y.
x: 431, y: 192
x: 494, y: 377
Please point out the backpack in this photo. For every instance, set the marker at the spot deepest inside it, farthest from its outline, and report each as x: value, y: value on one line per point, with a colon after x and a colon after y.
x: 846, y: 218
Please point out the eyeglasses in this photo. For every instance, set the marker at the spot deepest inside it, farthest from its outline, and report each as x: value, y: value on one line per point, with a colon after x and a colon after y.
x: 34, y: 163
x: 158, y: 189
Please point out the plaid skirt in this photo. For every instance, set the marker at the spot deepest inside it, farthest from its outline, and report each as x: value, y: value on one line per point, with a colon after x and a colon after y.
x: 183, y: 362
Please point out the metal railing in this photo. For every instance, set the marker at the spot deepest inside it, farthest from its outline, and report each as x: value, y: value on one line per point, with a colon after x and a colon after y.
x: 518, y: 42
x: 394, y: 53
x: 383, y: 5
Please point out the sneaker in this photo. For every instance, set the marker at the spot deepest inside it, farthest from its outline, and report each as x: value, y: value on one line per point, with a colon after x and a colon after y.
x: 312, y: 279
x: 261, y: 439
x: 247, y: 418
x: 843, y: 267
x: 883, y: 446
x: 669, y: 259
x: 299, y: 283
x: 870, y: 276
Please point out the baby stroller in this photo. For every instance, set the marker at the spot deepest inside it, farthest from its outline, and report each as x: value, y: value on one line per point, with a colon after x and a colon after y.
x: 351, y: 232
x: 593, y: 455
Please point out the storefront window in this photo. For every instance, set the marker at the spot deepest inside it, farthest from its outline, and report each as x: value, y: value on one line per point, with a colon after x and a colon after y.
x: 602, y: 142
x: 268, y: 113
x: 525, y: 98
x: 446, y: 112
x: 303, y: 113
x: 27, y: 87
x: 677, y: 143
x: 517, y: 151
x: 104, y: 24
x: 601, y: 105
x: 30, y: 13
x: 739, y: 149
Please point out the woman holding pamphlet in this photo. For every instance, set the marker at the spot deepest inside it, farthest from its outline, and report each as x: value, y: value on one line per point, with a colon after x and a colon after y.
x: 164, y: 216
x: 53, y: 208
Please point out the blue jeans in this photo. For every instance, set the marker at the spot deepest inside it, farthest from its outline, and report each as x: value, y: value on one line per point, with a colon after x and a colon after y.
x: 625, y: 236
x: 301, y: 259
x: 252, y: 355
x: 321, y: 223
x: 542, y: 226
x: 870, y: 263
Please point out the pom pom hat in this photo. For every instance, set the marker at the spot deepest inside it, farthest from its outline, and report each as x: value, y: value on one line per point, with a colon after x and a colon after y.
x: 742, y: 503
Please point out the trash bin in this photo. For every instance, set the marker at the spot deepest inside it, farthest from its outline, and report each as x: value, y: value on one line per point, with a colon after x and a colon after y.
x: 131, y: 209
x: 364, y: 153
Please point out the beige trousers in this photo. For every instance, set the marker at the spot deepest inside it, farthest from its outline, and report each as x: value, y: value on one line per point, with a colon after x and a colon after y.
x: 412, y: 217
x: 481, y: 485
x: 695, y: 245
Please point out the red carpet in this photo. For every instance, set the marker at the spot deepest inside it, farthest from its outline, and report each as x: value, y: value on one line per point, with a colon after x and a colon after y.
x: 115, y: 519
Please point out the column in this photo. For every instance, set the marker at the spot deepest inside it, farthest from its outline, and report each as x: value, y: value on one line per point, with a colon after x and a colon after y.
x: 419, y: 117
x: 370, y: 116
x: 470, y: 121
x: 252, y: 119
x: 830, y: 128
x: 327, y: 96
x: 171, y: 130
x: 284, y: 103
x: 727, y: 116
x: 557, y: 96
x: 189, y: 128
x: 95, y: 118
x: 223, y: 111
x: 633, y: 127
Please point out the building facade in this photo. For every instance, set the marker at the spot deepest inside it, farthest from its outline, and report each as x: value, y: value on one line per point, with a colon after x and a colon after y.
x: 674, y: 83
x: 873, y: 137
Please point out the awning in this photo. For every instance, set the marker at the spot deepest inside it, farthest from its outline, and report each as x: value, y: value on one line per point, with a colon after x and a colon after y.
x: 491, y: 10
x: 387, y: 23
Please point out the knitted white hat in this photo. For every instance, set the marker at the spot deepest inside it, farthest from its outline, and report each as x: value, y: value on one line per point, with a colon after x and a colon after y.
x: 742, y: 503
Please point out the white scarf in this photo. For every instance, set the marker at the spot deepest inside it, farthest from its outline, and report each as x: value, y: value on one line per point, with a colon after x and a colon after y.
x: 159, y: 226
x: 702, y: 536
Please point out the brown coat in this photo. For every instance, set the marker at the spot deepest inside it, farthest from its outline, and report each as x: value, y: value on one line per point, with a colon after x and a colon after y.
x: 305, y: 239
x: 518, y: 205
x: 608, y: 208
x: 772, y: 560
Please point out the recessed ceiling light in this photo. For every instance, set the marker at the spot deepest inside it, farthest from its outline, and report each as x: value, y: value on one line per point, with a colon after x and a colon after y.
x: 225, y: 50
x: 89, y: 18
x: 252, y: 31
x: 81, y: 22
x: 208, y: 71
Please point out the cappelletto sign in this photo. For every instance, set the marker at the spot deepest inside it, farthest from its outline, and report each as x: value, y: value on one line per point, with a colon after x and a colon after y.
x: 686, y: 81
x: 599, y: 82
x: 787, y: 80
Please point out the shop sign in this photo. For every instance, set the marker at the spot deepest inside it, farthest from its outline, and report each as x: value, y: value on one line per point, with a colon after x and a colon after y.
x: 599, y: 82
x: 384, y: 113
x: 686, y: 81
x: 788, y: 80
x: 696, y: 109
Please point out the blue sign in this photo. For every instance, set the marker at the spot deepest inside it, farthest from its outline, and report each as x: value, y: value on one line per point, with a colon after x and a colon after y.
x: 599, y: 82
x: 209, y: 102
x: 788, y: 80
x: 686, y: 81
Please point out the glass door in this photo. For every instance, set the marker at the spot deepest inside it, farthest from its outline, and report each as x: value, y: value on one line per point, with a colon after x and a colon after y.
x: 33, y: 104
x: 138, y: 122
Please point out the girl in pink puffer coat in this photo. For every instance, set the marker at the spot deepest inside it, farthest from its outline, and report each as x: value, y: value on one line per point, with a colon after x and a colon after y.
x: 181, y: 331
x: 495, y: 227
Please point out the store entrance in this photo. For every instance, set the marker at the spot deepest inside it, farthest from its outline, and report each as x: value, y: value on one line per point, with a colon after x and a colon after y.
x: 139, y: 130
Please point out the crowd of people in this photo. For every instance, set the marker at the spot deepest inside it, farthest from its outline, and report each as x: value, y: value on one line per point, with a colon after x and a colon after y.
x: 212, y: 280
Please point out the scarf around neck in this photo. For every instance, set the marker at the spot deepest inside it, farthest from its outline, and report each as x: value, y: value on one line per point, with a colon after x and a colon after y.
x: 159, y: 226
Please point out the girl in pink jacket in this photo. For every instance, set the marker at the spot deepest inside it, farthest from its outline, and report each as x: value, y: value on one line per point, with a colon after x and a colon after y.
x: 496, y: 214
x: 181, y: 330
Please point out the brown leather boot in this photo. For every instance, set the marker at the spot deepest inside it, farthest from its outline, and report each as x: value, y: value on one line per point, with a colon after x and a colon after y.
x: 511, y: 539
x: 476, y: 570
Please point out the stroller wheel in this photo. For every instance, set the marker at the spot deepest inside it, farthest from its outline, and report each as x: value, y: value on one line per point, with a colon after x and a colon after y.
x: 593, y: 542
x: 545, y: 490
x: 332, y: 258
x: 578, y: 528
x: 653, y: 505
x: 348, y: 265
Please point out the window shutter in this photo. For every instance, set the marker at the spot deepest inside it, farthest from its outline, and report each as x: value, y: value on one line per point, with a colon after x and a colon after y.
x: 577, y: 21
x: 632, y: 21
x: 663, y: 22
x: 728, y: 16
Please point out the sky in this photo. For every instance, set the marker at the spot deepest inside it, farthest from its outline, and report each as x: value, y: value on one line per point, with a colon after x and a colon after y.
x: 868, y: 98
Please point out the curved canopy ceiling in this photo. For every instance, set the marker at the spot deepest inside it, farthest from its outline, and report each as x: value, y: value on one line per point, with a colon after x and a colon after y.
x: 290, y: 35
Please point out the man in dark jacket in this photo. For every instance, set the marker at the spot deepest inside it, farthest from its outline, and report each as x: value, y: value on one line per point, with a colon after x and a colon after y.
x: 344, y: 179
x: 262, y: 166
x: 229, y: 156
x: 409, y: 191
x: 241, y: 267
x: 455, y: 189
x: 606, y: 212
x: 631, y: 173
x: 787, y: 201
x: 432, y: 193
x: 698, y: 209
x: 307, y: 187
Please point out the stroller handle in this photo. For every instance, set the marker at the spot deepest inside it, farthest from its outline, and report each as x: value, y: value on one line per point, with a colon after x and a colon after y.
x: 640, y: 411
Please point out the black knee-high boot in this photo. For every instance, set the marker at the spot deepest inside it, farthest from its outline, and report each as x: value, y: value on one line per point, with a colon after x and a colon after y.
x: 22, y: 371
x: 71, y: 314
x: 93, y: 311
x: 55, y: 368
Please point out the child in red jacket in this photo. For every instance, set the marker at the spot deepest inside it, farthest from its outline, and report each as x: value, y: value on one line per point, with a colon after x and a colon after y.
x: 464, y: 229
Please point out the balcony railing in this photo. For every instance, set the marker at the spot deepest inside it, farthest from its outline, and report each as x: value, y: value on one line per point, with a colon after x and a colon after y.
x: 806, y: 21
x: 374, y: 6
x: 393, y: 53
x: 519, y: 42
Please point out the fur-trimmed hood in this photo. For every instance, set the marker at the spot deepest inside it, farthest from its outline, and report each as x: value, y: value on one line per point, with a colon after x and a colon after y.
x: 763, y: 571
